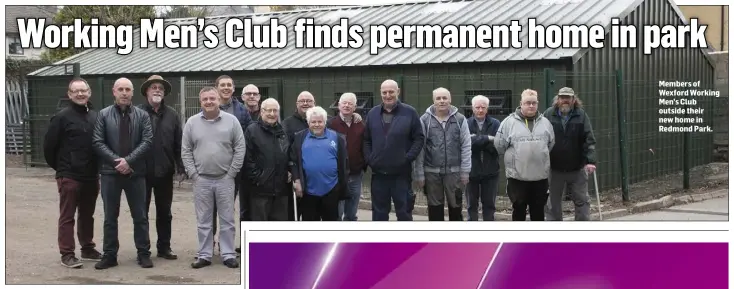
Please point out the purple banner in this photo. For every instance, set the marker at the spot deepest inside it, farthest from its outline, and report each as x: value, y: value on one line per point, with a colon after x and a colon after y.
x: 488, y: 265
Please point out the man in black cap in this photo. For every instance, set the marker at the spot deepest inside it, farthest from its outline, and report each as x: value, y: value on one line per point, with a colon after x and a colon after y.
x: 573, y: 158
x: 163, y: 159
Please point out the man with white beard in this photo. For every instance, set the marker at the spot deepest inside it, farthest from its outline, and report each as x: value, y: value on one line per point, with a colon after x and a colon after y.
x: 573, y: 157
x: 163, y: 160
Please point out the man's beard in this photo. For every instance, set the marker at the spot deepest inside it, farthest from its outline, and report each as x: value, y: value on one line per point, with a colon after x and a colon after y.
x: 565, y: 108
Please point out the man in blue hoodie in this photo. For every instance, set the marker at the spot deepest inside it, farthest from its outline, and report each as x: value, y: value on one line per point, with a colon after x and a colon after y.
x: 393, y: 138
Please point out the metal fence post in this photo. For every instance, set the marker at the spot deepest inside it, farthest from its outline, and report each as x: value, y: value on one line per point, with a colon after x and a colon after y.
x: 622, y: 131
x: 100, y: 91
x: 549, y: 81
x: 182, y: 99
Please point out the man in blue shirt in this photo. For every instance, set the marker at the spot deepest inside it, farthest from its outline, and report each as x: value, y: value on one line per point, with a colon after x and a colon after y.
x: 320, y: 172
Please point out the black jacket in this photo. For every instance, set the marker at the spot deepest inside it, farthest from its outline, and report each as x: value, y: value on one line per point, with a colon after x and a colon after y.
x: 484, y: 156
x: 342, y: 163
x: 267, y: 159
x: 164, y: 158
x: 575, y: 142
x: 67, y: 146
x: 106, y: 139
x: 294, y: 124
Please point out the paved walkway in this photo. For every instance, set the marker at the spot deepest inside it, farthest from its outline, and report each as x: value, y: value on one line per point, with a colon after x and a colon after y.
x: 709, y: 210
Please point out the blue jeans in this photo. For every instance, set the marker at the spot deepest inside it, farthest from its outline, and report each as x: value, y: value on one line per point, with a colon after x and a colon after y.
x: 348, y: 208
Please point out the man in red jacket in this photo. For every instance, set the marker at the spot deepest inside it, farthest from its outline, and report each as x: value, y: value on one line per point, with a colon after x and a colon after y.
x: 346, y: 124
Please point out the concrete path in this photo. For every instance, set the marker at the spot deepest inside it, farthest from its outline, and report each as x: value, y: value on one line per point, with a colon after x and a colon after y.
x: 709, y: 210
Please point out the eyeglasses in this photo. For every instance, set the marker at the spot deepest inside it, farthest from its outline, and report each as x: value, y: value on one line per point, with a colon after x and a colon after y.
x: 250, y: 93
x: 78, y: 91
x: 305, y: 101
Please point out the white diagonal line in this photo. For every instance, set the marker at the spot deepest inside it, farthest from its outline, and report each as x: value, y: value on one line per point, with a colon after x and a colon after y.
x: 327, y: 261
x: 484, y: 277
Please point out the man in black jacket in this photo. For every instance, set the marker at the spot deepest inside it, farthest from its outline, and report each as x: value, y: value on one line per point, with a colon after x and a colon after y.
x: 163, y: 160
x: 485, y: 166
x: 266, y: 165
x: 122, y: 138
x: 573, y: 157
x: 293, y: 124
x: 67, y: 148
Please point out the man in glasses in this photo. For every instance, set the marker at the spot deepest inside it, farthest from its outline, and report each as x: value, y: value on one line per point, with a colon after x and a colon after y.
x: 122, y: 136
x: 525, y: 139
x: 67, y: 148
x: 573, y: 158
x: 251, y: 99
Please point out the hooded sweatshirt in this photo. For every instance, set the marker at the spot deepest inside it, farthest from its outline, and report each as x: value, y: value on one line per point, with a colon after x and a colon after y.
x: 526, y: 144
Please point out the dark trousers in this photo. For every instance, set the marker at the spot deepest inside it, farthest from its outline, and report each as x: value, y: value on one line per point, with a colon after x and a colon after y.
x: 484, y: 189
x: 387, y: 187
x: 293, y: 211
x: 269, y: 208
x: 243, y: 190
x: 527, y: 196
x: 73, y: 196
x: 134, y: 187
x: 162, y: 189
x: 320, y: 208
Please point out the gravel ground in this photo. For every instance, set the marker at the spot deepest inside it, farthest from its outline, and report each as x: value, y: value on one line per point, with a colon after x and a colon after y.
x: 32, y: 253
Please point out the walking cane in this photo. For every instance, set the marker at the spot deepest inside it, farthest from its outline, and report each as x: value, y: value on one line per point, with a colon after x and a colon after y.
x: 598, y: 200
x: 295, y: 206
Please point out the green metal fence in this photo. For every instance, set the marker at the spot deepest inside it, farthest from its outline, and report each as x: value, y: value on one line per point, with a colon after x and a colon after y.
x: 624, y: 112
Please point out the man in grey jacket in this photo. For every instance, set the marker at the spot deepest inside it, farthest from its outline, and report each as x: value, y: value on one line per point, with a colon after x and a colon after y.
x: 443, y: 166
x: 212, y: 150
x: 525, y: 138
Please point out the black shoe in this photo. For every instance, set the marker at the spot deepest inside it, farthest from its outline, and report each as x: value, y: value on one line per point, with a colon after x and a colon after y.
x: 435, y: 213
x: 91, y: 255
x: 231, y: 263
x: 70, y: 261
x: 455, y: 214
x: 238, y: 250
x: 167, y: 254
x: 145, y: 262
x: 200, y: 263
x: 105, y: 263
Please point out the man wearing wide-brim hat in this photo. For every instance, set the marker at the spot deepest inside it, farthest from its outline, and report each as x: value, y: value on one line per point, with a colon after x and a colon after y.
x: 163, y: 160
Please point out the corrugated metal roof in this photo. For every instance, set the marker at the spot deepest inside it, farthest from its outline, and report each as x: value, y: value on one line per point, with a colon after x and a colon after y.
x: 223, y: 58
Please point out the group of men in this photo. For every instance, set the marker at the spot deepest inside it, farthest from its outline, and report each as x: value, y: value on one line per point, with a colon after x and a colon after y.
x: 307, y: 167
